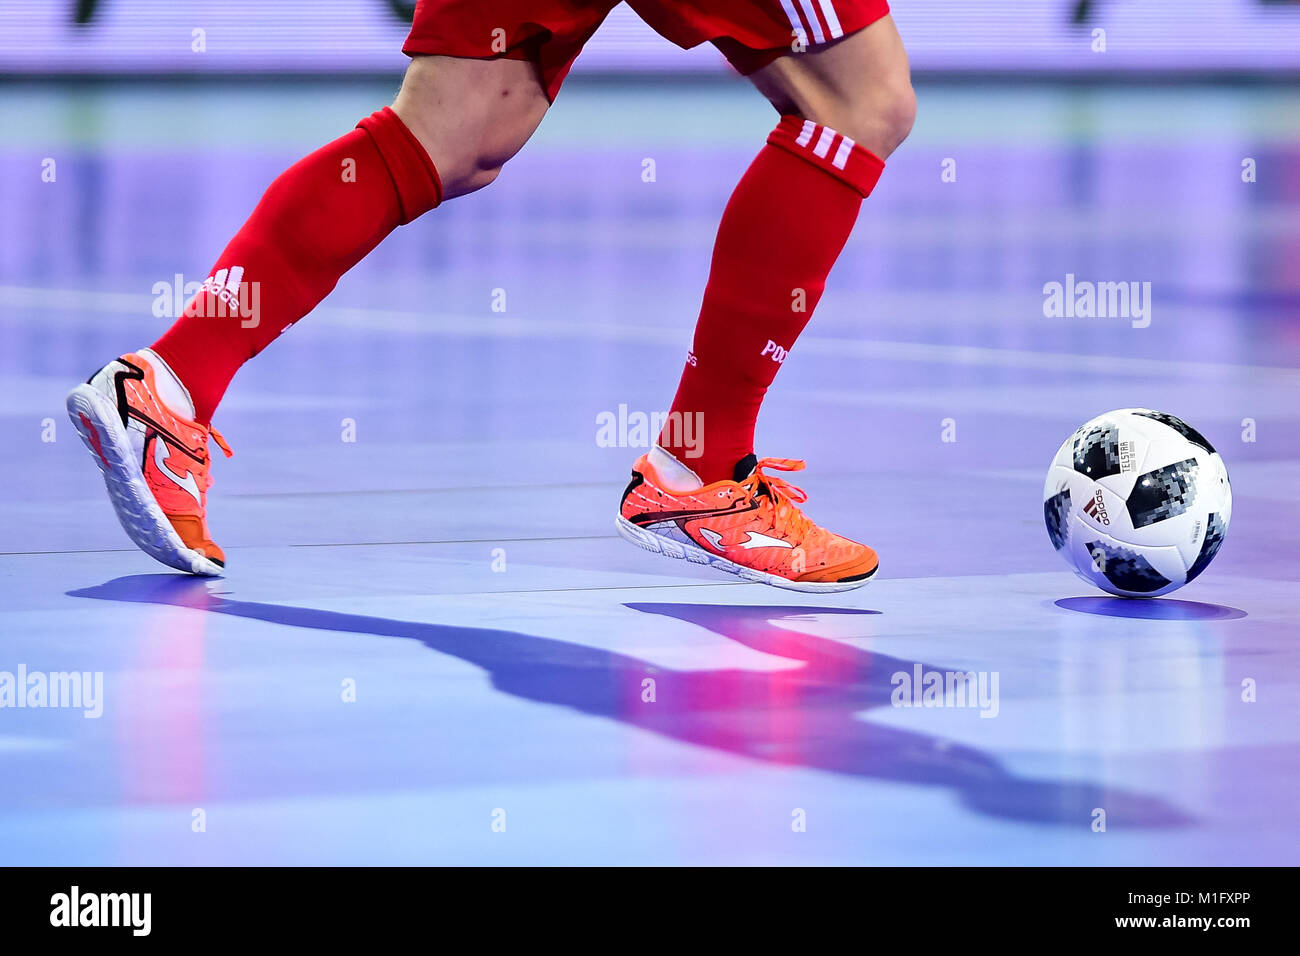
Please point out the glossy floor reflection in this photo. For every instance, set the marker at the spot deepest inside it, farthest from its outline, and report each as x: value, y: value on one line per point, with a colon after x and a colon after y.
x: 429, y: 630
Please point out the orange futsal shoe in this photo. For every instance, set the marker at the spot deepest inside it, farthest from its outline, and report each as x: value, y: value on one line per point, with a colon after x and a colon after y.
x: 751, y: 527
x: 155, y: 463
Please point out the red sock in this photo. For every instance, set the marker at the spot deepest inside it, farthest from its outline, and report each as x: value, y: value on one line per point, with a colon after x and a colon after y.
x: 321, y: 217
x: 782, y: 231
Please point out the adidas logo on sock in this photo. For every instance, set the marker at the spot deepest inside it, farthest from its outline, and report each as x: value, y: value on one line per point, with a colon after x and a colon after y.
x: 224, y: 284
x: 234, y: 296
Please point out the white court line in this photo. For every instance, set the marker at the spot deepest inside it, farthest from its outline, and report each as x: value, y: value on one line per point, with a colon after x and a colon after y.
x: 448, y: 325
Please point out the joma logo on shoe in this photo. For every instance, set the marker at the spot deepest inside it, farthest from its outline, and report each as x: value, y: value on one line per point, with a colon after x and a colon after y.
x: 753, y: 539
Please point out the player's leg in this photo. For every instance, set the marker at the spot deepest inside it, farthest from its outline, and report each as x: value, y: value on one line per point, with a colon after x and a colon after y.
x: 146, y: 417
x: 845, y: 106
x: 454, y: 124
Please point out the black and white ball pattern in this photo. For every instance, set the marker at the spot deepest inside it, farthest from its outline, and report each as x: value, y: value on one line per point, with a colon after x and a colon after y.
x: 1137, y: 502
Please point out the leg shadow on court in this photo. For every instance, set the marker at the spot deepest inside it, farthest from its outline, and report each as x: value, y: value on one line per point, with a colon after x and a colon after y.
x: 803, y: 716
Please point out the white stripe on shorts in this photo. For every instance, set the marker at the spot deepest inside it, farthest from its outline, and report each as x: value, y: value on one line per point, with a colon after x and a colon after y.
x: 795, y: 22
x: 813, y: 22
x: 832, y: 19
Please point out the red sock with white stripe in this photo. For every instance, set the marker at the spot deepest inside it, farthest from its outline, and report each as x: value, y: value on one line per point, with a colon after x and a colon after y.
x: 783, y: 229
x: 321, y: 217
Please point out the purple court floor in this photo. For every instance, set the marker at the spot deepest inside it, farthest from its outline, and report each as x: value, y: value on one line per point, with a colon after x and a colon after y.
x: 431, y: 647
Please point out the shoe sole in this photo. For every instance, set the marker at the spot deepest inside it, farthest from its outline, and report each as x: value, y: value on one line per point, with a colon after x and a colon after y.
x: 97, y: 422
x: 696, y: 555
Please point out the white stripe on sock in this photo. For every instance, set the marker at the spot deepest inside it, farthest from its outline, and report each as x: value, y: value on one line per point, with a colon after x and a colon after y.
x: 806, y: 134
x: 842, y: 154
x: 824, y: 144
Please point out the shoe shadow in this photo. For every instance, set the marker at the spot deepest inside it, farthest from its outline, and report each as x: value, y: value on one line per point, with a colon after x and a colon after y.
x: 802, y: 716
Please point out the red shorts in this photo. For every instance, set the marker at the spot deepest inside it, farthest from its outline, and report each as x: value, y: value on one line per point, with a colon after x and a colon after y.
x: 551, y: 33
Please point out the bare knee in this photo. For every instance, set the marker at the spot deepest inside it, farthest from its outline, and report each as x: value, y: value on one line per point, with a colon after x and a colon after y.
x: 878, y: 114
x: 880, y: 118
x: 471, y: 116
x: 860, y: 86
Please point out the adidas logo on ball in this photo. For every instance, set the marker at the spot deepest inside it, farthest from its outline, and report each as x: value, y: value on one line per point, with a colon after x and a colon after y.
x: 1096, y: 509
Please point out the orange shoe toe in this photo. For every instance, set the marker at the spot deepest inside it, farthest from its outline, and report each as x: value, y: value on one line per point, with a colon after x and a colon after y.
x: 194, y: 533
x: 857, y: 568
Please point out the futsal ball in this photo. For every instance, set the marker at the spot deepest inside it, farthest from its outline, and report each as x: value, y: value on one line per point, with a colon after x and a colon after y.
x: 1137, y: 502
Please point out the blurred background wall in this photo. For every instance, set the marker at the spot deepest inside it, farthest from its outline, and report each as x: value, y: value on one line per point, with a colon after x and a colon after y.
x: 364, y: 36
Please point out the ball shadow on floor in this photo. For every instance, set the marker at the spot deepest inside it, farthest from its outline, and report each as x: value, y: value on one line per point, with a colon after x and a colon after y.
x: 1151, y: 609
